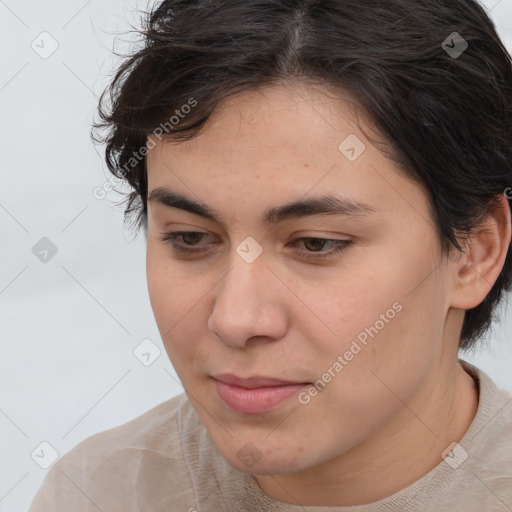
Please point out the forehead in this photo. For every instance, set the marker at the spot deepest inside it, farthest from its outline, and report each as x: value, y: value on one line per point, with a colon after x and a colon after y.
x: 281, y: 115
x: 278, y: 143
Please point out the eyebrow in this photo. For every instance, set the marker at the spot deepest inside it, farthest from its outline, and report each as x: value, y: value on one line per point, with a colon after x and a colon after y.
x: 323, y: 205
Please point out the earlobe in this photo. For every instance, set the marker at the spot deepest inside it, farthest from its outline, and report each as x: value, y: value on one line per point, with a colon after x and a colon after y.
x: 479, y: 267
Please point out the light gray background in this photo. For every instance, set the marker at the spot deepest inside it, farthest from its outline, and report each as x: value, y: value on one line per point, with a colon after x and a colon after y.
x: 69, y: 326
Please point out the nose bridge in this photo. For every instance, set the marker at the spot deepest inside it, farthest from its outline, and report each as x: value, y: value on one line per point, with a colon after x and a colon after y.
x: 243, y: 284
x: 243, y: 296
x: 247, y: 262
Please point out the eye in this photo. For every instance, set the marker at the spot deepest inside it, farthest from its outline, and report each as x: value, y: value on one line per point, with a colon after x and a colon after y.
x: 338, y: 247
x: 318, y: 243
x: 173, y: 235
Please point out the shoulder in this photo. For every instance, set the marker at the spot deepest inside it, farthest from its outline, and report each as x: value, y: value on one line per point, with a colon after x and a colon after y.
x: 476, y: 474
x: 489, y: 436
x: 143, y: 456
x: 495, y: 405
x: 144, y: 431
x: 488, y: 444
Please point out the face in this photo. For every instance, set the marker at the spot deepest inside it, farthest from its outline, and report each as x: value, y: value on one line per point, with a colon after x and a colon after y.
x: 348, y: 304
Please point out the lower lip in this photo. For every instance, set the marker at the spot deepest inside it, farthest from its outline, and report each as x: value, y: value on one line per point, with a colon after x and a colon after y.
x: 255, y: 400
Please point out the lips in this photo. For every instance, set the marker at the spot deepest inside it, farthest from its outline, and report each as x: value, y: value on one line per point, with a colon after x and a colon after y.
x: 254, y: 382
x: 255, y: 395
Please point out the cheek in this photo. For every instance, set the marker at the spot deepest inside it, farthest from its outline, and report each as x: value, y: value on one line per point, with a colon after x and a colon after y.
x: 355, y: 305
x: 160, y: 284
x: 170, y: 290
x: 388, y: 322
x: 179, y: 301
x: 169, y: 293
x: 382, y: 361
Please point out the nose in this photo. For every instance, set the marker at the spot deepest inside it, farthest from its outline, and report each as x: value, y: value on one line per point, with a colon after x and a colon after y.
x: 249, y: 303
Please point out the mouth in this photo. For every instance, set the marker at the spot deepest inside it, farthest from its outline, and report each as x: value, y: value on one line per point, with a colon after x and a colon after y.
x: 254, y: 382
x: 255, y: 395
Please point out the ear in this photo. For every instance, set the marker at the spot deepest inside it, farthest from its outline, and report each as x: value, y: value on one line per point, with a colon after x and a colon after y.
x: 479, y: 267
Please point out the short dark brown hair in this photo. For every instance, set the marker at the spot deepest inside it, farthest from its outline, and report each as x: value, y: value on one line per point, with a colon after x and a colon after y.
x: 433, y: 77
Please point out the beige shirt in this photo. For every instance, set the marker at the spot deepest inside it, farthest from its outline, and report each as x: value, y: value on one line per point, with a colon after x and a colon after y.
x: 165, y: 461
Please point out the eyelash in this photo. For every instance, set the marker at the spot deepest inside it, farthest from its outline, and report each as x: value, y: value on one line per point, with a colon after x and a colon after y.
x: 341, y: 246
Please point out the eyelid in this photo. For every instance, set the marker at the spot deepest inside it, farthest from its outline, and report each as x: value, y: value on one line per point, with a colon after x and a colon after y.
x: 339, y: 247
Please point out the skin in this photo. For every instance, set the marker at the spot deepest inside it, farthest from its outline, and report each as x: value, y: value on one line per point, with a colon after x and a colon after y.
x: 403, y: 399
